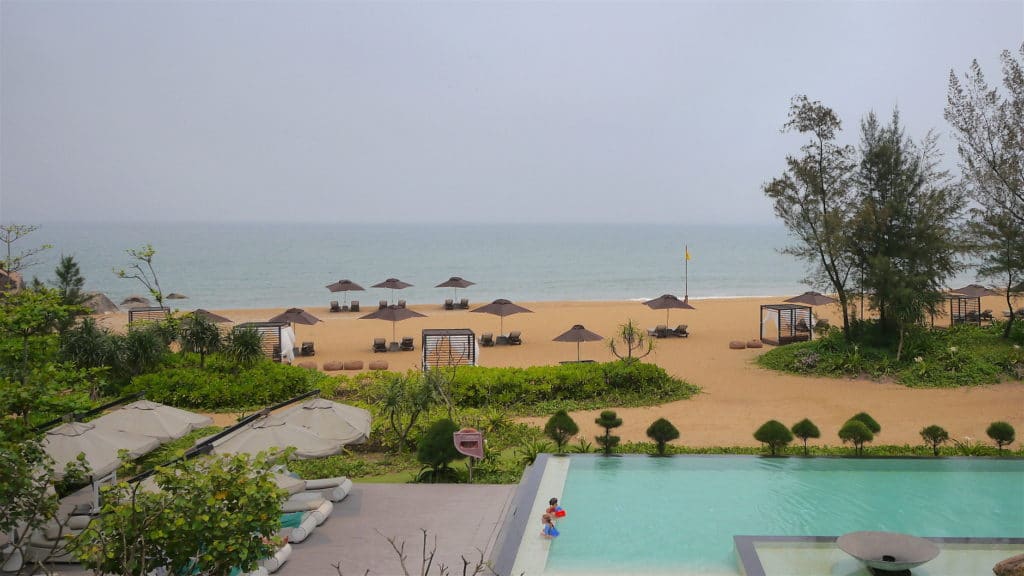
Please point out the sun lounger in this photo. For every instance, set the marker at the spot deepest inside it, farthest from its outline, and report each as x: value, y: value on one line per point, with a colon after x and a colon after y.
x: 354, y: 306
x: 335, y: 307
x: 401, y: 303
x: 406, y: 344
x: 659, y: 331
x: 680, y: 331
x: 449, y: 304
x: 487, y: 339
x: 297, y: 526
x: 380, y: 345
x: 274, y: 563
x: 307, y: 349
x: 382, y: 304
x: 332, y: 489
x: 515, y: 337
x: 312, y: 502
x: 464, y: 304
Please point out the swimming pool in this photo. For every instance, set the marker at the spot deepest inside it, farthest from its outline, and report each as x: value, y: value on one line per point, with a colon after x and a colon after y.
x: 637, y: 514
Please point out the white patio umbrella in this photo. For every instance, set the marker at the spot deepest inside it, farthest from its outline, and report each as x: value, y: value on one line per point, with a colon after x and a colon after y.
x: 331, y: 420
x: 100, y: 445
x: 274, y: 432
x: 165, y: 423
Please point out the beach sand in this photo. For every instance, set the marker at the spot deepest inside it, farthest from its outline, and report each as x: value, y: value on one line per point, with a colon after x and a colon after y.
x: 737, y: 395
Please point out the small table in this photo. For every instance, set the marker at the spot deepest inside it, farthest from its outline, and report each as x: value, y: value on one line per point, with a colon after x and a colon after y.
x: 393, y: 347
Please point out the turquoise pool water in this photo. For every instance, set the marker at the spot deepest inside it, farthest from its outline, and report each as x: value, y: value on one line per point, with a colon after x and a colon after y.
x: 636, y: 514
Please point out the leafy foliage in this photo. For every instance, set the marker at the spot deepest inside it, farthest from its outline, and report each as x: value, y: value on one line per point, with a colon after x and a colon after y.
x: 934, y: 436
x: 608, y: 420
x: 636, y: 341
x: 1002, y: 433
x: 11, y: 233
x: 436, y: 448
x: 804, y: 430
x: 856, y: 433
x: 560, y: 428
x: 201, y: 336
x: 868, y: 421
x: 245, y: 346
x: 406, y: 397
x: 662, y: 432
x: 774, y: 434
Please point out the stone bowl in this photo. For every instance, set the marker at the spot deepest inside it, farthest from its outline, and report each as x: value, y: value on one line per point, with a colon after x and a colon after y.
x: 888, y: 551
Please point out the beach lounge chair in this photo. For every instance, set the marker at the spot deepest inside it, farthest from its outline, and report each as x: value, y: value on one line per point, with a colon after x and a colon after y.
x: 354, y: 307
x: 401, y: 303
x: 515, y: 337
x: 464, y: 304
x: 406, y: 344
x: 449, y: 304
x: 274, y: 563
x: 382, y: 304
x: 335, y: 307
x: 487, y: 339
x: 307, y: 349
x: 659, y: 331
x: 680, y: 331
x: 987, y: 315
x: 380, y: 345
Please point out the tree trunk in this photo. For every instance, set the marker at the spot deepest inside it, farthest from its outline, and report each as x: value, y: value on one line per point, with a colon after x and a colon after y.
x: 1009, y: 323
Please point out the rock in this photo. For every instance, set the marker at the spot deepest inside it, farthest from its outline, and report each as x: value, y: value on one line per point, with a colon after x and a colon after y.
x: 334, y: 365
x: 1012, y: 566
x: 737, y: 345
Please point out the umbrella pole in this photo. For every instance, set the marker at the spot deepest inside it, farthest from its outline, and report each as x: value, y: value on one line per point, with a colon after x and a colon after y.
x: 393, y: 331
x: 667, y: 310
x: 577, y: 352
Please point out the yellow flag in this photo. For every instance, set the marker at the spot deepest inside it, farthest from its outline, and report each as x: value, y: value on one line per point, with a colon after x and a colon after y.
x: 687, y: 249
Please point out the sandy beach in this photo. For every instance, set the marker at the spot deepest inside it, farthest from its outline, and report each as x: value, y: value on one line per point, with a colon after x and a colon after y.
x: 738, y: 396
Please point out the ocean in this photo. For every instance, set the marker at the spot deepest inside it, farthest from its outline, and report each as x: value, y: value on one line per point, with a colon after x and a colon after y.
x: 278, y: 265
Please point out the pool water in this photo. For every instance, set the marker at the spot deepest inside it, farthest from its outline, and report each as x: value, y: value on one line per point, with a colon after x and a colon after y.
x: 637, y: 514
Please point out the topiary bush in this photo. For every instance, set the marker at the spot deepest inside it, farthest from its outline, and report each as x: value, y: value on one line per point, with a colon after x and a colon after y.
x: 775, y: 435
x: 804, y: 430
x: 1002, y: 433
x: 436, y: 450
x: 662, y: 432
x: 868, y: 421
x: 560, y: 428
x: 934, y: 436
x: 608, y: 420
x: 856, y: 433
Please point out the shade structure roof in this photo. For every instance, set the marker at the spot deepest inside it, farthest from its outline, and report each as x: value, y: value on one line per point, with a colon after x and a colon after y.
x: 135, y: 299
x: 812, y: 299
x: 152, y: 419
x: 667, y: 302
x: 345, y: 285
x: 578, y: 334
x: 176, y: 296
x: 975, y: 291
x: 455, y: 282
x: 98, y: 303
x: 501, y: 307
x: 331, y: 420
x: 274, y: 432
x: 295, y: 316
x: 393, y: 283
x: 100, y: 446
x: 207, y: 315
x: 392, y: 313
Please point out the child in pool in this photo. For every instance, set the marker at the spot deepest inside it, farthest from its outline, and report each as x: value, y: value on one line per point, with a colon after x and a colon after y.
x: 549, y: 530
x: 555, y: 510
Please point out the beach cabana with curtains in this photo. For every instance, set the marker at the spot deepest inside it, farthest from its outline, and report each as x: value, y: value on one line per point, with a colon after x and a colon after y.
x: 445, y: 348
x: 964, y: 309
x: 785, y: 323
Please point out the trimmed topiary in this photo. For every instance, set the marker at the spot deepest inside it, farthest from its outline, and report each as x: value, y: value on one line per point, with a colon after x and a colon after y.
x: 774, y: 434
x: 857, y: 433
x: 934, y: 436
x: 608, y: 420
x: 662, y: 431
x: 1002, y: 433
x: 868, y: 421
x: 805, y: 429
x: 560, y: 428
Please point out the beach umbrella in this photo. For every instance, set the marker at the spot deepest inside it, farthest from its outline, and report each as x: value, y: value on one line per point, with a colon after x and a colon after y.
x: 176, y: 296
x: 100, y: 446
x: 296, y: 316
x: 98, y: 303
x: 455, y: 282
x: 394, y: 314
x: 274, y: 432
x: 207, y: 315
x: 146, y: 418
x: 345, y: 286
x: 975, y: 291
x: 811, y: 299
x: 135, y: 300
x: 331, y: 420
x: 501, y: 308
x: 578, y: 334
x: 667, y: 302
x: 393, y: 284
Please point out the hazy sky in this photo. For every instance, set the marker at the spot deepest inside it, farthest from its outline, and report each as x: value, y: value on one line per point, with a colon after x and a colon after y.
x: 451, y: 111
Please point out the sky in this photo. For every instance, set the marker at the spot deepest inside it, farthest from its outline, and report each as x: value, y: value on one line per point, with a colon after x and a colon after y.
x: 513, y: 111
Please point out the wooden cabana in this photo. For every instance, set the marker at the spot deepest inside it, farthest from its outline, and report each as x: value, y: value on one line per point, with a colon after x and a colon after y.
x: 270, y: 335
x: 451, y: 347
x: 792, y: 323
x: 147, y: 314
x: 964, y: 309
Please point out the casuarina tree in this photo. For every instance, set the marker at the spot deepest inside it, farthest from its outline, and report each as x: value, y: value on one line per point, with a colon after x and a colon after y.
x: 856, y: 433
x: 662, y: 432
x: 561, y: 428
x: 608, y: 420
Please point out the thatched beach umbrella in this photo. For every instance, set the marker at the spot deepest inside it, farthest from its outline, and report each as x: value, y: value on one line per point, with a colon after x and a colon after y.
x: 578, y: 334
x: 207, y: 315
x: 345, y: 286
x: 176, y: 296
x: 501, y: 308
x: 394, y: 314
x: 331, y: 420
x: 98, y: 303
x: 975, y: 291
x: 393, y: 284
x: 296, y: 316
x: 667, y: 302
x: 811, y: 298
x: 100, y: 446
x: 274, y: 432
x: 455, y: 282
x: 135, y: 300
x: 146, y: 418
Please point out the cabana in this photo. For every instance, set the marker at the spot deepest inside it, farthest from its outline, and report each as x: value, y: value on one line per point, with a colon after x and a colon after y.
x: 270, y: 334
x: 147, y: 314
x: 964, y: 309
x: 793, y: 323
x: 448, y: 348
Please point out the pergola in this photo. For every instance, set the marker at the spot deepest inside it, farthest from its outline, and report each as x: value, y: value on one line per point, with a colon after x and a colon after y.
x: 792, y: 323
x: 964, y: 309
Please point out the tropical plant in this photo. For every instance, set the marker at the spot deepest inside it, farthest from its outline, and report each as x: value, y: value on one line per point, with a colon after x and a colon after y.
x: 868, y: 421
x: 245, y: 346
x: 200, y: 336
x: 582, y: 446
x: 775, y: 435
x: 140, y: 350
x: 405, y: 399
x: 560, y: 428
x: 662, y: 432
x: 608, y: 420
x: 636, y: 341
x: 804, y: 430
x: 1002, y: 433
x: 436, y: 450
x: 934, y: 436
x: 529, y: 450
x: 856, y: 433
x: 27, y: 315
x: 11, y: 233
x: 142, y: 269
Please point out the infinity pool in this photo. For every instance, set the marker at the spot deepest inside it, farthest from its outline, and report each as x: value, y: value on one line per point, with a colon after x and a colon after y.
x: 637, y: 514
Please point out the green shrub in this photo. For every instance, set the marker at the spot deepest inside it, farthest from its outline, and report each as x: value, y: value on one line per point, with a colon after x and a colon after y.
x: 662, y: 432
x: 868, y: 421
x: 560, y: 428
x: 934, y: 436
x: 608, y: 420
x: 774, y: 434
x: 856, y: 433
x: 805, y: 429
x: 1002, y: 433
x: 437, y: 450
